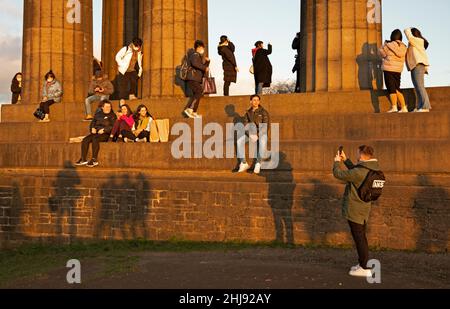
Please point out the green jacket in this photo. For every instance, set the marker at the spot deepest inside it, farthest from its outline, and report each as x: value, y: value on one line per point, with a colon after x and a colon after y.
x: 353, y: 208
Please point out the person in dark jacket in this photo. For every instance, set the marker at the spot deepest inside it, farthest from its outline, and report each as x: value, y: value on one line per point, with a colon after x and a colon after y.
x: 296, y: 45
x: 16, y: 88
x: 198, y: 67
x: 354, y: 210
x: 230, y: 69
x: 258, y: 116
x: 100, y: 88
x: 261, y: 66
x: 101, y: 127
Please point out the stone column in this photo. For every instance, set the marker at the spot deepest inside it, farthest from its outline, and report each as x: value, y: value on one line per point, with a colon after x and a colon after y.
x: 341, y: 40
x: 169, y: 28
x: 120, y: 26
x: 57, y: 35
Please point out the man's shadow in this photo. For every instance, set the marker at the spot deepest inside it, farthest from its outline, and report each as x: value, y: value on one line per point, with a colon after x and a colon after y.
x: 230, y: 112
x: 430, y: 207
x: 281, y: 199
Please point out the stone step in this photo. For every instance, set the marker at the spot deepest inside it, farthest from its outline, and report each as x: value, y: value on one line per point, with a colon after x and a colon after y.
x: 301, y: 128
x: 403, y: 156
x: 359, y: 102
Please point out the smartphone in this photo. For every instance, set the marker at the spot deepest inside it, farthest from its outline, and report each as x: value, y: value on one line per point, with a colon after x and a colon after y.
x: 341, y: 150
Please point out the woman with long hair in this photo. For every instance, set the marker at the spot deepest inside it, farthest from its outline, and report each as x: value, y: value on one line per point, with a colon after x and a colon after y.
x: 140, y: 133
x: 418, y: 64
x: 123, y: 123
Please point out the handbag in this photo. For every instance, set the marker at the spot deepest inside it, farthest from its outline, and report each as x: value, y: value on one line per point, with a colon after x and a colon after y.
x: 209, y: 84
x: 39, y: 114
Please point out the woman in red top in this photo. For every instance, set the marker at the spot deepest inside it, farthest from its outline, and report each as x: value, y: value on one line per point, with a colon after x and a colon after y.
x: 125, y: 122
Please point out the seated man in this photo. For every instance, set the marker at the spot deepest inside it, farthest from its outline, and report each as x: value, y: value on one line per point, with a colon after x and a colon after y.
x: 259, y: 117
x: 100, y: 89
x: 101, y: 128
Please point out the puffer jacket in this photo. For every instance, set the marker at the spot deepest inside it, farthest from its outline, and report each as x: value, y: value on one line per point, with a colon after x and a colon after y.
x: 394, y: 56
x: 353, y: 208
x: 52, y: 91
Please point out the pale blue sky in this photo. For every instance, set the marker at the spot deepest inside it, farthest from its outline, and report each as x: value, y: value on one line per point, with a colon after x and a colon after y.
x: 246, y: 21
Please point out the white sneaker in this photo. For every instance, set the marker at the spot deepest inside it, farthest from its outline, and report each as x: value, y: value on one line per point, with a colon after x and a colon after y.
x: 354, y: 267
x: 243, y: 167
x: 360, y: 272
x: 393, y: 110
x: 257, y: 169
x: 189, y: 112
x: 404, y: 111
x: 423, y: 111
x: 197, y: 116
x: 142, y: 140
x: 132, y: 97
x: 126, y: 140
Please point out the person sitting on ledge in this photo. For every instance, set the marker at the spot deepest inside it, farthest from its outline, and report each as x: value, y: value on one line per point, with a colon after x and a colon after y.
x: 101, y: 127
x: 100, y: 89
x: 124, y: 123
x: 16, y: 88
x: 140, y: 133
x: 51, y: 94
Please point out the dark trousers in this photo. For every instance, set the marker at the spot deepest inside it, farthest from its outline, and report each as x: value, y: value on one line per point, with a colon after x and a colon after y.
x: 131, y: 136
x: 127, y: 84
x: 226, y: 89
x: 197, y: 89
x: 119, y: 126
x: 95, y: 140
x: 46, y: 106
x: 362, y: 246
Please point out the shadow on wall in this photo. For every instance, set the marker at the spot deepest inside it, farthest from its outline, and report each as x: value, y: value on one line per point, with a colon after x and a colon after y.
x: 182, y: 84
x: 281, y: 199
x: 124, y: 208
x: 63, y: 204
x: 13, y: 212
x: 432, y: 216
x: 370, y: 75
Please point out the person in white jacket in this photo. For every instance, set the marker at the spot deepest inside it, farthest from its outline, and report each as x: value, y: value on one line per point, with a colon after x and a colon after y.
x: 418, y: 63
x: 393, y: 53
x: 129, y: 62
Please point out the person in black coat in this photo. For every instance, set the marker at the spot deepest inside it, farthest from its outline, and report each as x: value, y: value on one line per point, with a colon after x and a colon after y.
x: 198, y: 68
x: 297, y: 45
x: 230, y: 69
x: 16, y: 88
x: 262, y: 66
x: 101, y: 127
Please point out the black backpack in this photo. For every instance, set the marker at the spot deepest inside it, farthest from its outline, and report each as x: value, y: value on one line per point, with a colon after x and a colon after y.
x: 372, y: 187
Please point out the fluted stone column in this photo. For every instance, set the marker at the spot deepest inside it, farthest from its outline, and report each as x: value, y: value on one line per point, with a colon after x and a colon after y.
x: 57, y: 35
x: 340, y: 41
x: 120, y: 26
x: 169, y: 28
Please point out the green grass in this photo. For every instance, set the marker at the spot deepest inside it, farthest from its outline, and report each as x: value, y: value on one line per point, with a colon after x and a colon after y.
x: 115, y: 257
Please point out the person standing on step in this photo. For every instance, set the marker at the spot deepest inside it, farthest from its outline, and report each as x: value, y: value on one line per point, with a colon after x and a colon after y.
x: 129, y: 61
x: 100, y: 89
x: 418, y: 63
x: 354, y: 210
x: 16, y: 88
x: 101, y: 127
x: 198, y: 68
x: 262, y: 68
x: 140, y: 133
x: 393, y: 53
x: 297, y: 45
x: 51, y: 94
x: 230, y: 69
x: 259, y: 117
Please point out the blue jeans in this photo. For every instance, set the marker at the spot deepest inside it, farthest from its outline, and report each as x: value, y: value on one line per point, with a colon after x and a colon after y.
x: 94, y: 98
x: 259, y: 88
x: 260, y: 148
x: 418, y: 79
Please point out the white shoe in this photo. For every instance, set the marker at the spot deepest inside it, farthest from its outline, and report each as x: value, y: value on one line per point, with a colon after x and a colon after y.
x: 393, y: 110
x: 360, y: 272
x: 132, y: 97
x: 257, y: 169
x: 243, y: 167
x: 423, y: 111
x: 126, y: 140
x: 197, y: 116
x: 142, y: 140
x: 354, y: 267
x: 404, y: 111
x: 189, y: 112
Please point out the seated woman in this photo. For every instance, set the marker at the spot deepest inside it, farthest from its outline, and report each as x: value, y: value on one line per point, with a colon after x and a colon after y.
x: 124, y: 122
x: 16, y: 88
x: 140, y: 132
x: 51, y: 94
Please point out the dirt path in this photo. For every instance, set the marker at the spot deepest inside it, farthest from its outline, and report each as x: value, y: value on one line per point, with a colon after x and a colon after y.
x: 255, y: 268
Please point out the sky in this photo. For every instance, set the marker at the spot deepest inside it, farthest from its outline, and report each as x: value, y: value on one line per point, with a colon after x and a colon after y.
x: 273, y: 23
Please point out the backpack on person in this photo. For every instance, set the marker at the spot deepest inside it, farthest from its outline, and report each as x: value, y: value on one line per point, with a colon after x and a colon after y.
x: 372, y: 187
x: 185, y: 67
